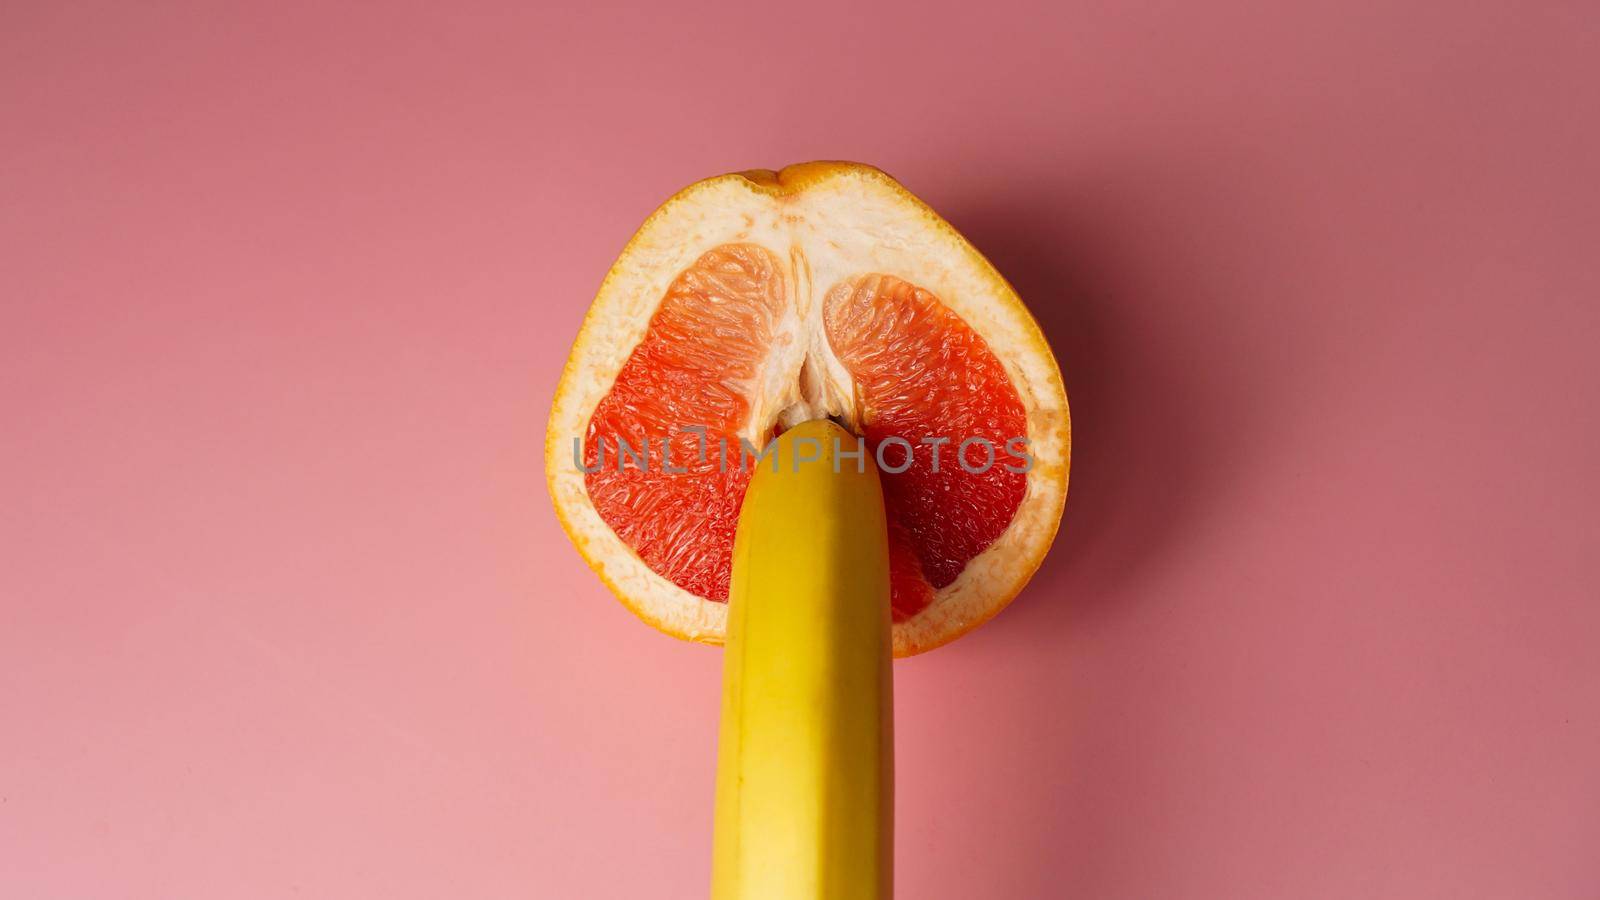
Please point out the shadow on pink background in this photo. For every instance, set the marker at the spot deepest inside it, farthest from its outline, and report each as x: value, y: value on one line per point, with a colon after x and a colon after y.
x: 285, y: 291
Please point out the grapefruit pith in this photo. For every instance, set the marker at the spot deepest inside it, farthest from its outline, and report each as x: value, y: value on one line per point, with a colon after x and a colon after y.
x: 751, y: 302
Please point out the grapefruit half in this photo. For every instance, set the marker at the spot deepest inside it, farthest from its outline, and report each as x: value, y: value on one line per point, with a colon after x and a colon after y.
x: 751, y: 302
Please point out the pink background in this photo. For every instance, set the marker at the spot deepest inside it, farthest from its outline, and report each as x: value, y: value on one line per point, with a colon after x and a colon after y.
x: 284, y: 611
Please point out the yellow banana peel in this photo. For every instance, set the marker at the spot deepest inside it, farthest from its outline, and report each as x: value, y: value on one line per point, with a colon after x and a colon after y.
x: 805, y: 771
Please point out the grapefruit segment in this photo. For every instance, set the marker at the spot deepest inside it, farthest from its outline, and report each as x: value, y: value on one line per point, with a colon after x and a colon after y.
x: 752, y: 302
x: 923, y: 376
x: 697, y: 367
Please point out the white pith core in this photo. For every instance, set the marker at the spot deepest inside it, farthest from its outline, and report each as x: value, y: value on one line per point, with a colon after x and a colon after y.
x: 801, y: 379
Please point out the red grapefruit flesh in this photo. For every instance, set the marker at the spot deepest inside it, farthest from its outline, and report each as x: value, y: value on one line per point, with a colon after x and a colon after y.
x: 925, y: 377
x: 709, y: 337
x: 921, y: 375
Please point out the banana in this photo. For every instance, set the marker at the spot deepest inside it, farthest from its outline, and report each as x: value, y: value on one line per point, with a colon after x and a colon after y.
x: 805, y: 762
